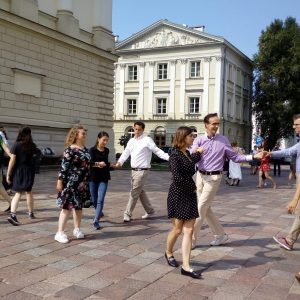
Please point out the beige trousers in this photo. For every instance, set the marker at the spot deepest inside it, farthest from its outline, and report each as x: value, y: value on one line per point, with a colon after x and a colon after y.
x: 295, y: 229
x: 138, y: 179
x: 207, y: 187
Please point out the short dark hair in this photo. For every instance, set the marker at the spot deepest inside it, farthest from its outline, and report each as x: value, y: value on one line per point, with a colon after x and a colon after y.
x: 295, y: 117
x: 181, y: 133
x: 139, y: 123
x: 207, y: 117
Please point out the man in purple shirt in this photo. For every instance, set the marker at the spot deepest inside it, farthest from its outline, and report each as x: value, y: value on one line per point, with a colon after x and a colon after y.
x: 209, y: 175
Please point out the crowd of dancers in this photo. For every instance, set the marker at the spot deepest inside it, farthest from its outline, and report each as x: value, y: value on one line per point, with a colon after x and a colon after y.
x: 84, y: 175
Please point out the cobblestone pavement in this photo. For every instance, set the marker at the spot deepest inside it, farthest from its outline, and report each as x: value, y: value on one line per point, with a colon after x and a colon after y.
x: 126, y: 261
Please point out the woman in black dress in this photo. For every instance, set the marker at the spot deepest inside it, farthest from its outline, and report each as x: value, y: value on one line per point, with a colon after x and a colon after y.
x: 21, y: 171
x: 182, y: 198
x: 72, y: 183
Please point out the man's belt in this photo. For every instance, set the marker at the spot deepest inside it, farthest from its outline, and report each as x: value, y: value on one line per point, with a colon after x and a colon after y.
x: 139, y: 169
x: 210, y: 172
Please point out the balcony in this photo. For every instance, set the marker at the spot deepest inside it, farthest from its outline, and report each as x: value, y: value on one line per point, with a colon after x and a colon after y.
x: 160, y: 117
x: 192, y: 116
x: 130, y: 117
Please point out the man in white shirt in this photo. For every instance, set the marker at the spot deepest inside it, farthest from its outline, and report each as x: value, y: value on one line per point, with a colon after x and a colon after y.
x: 140, y: 148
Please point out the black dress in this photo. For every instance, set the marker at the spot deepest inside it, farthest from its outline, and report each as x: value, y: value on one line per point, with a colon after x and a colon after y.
x: 24, y: 168
x: 182, y: 197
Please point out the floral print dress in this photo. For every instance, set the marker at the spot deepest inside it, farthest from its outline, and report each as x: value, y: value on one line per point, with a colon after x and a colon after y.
x: 74, y: 173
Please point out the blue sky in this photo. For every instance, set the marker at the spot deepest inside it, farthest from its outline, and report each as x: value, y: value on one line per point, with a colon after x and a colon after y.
x: 238, y: 21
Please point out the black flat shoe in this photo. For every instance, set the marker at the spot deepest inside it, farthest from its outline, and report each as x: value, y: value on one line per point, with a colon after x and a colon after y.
x: 7, y: 210
x: 171, y: 261
x: 191, y: 273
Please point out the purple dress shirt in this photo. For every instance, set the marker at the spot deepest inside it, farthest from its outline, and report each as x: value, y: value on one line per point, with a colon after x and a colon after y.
x: 216, y: 149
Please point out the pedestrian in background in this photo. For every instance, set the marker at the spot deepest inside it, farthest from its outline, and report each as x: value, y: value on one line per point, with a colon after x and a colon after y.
x: 21, y: 172
x: 72, y: 183
x: 235, y: 172
x: 264, y: 169
x: 3, y: 192
x: 182, y: 198
x: 99, y: 175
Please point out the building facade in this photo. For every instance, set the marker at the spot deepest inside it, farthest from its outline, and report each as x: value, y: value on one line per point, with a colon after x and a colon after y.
x: 56, y: 68
x: 169, y: 75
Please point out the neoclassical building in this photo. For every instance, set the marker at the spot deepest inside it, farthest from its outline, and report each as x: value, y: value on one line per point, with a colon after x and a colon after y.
x: 169, y: 75
x: 56, y: 68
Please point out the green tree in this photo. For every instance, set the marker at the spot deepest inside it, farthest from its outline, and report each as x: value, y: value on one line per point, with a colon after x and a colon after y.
x: 123, y: 140
x: 277, y: 80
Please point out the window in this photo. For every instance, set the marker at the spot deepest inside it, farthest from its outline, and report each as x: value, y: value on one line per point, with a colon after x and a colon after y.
x: 194, y: 105
x: 161, y: 105
x: 229, y: 107
x: 131, y: 106
x: 230, y: 72
x: 162, y: 71
x: 195, y: 69
x: 132, y: 73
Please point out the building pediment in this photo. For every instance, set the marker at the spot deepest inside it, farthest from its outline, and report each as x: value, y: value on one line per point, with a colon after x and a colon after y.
x: 166, y: 34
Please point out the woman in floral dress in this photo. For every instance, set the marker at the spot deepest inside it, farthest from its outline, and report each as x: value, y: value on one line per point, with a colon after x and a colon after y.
x: 72, y: 183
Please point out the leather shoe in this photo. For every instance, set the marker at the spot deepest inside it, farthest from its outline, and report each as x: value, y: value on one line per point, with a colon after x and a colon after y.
x: 171, y: 261
x: 298, y: 277
x: 191, y: 273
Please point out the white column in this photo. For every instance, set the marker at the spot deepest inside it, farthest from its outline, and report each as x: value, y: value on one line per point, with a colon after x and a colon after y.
x: 206, y: 75
x: 226, y: 73
x: 102, y: 14
x: 182, y: 85
x: 65, y: 5
x: 122, y: 89
x: 141, y: 90
x: 172, y: 89
x: 233, y: 111
x: 150, y: 91
x: 217, y: 100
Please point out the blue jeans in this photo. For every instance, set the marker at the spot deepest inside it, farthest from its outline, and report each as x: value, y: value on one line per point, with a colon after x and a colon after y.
x: 98, y: 191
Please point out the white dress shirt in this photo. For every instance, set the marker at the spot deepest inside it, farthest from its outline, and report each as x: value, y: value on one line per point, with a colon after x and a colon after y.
x: 140, y: 149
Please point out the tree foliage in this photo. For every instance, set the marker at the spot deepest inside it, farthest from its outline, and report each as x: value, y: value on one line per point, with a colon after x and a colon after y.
x: 123, y: 140
x: 277, y: 80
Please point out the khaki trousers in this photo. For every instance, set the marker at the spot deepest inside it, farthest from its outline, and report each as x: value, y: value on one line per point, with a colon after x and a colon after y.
x: 138, y: 179
x: 207, y: 187
x: 295, y: 229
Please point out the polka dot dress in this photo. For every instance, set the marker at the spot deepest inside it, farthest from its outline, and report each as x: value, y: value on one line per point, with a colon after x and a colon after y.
x: 182, y: 198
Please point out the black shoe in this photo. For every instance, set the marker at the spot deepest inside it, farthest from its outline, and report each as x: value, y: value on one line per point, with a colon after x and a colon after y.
x: 13, y: 220
x: 7, y: 210
x: 31, y: 215
x: 171, y: 261
x: 191, y: 273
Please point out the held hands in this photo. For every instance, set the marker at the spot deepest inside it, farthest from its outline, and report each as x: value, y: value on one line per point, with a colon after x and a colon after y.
x: 116, y: 165
x: 100, y: 164
x: 262, y: 154
x: 200, y: 149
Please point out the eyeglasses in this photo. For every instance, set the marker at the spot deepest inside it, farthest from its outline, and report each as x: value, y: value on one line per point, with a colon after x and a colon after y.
x: 214, y: 124
x: 296, y: 124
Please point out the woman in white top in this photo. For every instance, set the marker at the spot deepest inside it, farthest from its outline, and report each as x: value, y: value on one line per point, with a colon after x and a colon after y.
x: 235, y: 172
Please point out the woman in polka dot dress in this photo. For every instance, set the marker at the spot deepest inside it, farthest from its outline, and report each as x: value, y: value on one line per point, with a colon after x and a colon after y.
x: 182, y: 198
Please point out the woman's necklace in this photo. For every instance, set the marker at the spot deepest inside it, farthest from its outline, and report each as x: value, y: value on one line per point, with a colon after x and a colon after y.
x: 184, y: 152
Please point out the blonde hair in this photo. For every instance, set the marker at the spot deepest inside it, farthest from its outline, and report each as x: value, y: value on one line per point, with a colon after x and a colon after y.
x: 180, y: 135
x: 72, y: 135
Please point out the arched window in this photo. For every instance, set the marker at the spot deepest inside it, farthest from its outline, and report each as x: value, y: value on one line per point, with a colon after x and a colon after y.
x: 129, y: 130
x: 160, y: 136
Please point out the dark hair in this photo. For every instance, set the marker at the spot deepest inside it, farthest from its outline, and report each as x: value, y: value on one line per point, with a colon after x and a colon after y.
x: 24, y: 137
x: 100, y: 135
x: 207, y: 117
x: 181, y: 133
x: 295, y: 117
x: 139, y: 123
x: 234, y: 144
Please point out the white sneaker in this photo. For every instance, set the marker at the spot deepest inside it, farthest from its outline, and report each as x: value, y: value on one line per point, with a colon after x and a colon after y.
x: 78, y: 233
x: 61, y: 237
x: 146, y: 215
x: 219, y: 240
x: 126, y: 218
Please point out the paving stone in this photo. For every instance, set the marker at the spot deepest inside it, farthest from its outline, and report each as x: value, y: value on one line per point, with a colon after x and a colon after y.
x: 43, y: 289
x: 74, y: 292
